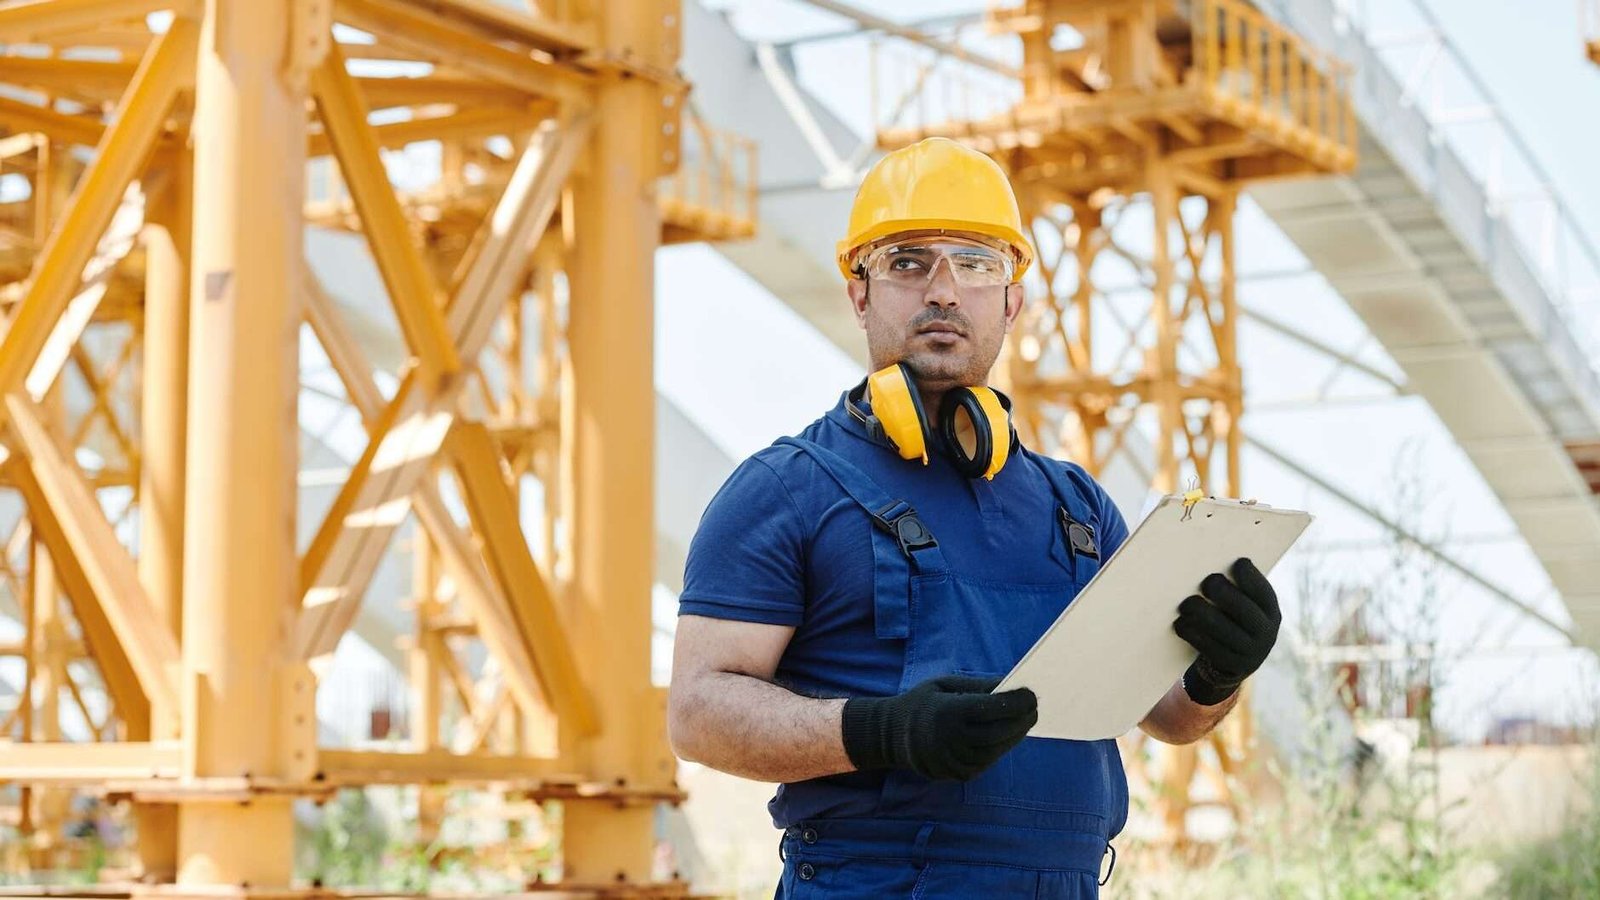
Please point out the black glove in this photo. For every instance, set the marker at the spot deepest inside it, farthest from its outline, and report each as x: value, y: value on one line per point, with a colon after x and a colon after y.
x: 945, y: 727
x: 1234, y: 631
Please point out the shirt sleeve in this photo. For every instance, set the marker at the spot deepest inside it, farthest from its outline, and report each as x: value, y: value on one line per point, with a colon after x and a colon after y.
x: 747, y: 558
x: 1113, y: 527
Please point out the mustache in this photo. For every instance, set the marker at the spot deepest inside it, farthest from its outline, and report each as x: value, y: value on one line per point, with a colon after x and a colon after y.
x: 937, y: 314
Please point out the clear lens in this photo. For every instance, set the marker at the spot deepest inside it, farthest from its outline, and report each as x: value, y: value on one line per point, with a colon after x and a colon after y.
x: 913, y: 264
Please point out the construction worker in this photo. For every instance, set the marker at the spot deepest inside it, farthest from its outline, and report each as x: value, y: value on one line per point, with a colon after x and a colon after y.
x: 854, y: 594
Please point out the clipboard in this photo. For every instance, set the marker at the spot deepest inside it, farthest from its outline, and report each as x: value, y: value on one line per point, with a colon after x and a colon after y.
x: 1112, y: 654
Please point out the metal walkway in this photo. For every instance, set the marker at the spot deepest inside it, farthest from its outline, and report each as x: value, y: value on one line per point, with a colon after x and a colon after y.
x: 1492, y: 320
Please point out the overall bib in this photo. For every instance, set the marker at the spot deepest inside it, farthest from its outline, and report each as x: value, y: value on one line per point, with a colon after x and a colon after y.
x: 1035, y: 824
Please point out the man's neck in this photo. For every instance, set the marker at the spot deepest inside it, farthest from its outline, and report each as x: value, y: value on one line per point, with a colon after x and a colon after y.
x: 932, y: 402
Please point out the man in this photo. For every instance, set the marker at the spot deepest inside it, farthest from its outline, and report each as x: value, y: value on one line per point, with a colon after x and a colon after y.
x: 853, y: 596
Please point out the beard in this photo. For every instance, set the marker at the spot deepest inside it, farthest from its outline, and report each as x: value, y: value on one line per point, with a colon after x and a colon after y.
x: 936, y: 363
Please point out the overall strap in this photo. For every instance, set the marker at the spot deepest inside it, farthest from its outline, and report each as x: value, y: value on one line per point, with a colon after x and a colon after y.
x: 901, y: 544
x: 1079, y: 522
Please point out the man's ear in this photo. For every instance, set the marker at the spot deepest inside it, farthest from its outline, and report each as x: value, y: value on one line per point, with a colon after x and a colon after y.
x: 857, y: 289
x: 1015, y: 295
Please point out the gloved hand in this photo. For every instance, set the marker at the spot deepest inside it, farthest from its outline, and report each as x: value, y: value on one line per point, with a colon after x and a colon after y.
x: 946, y: 727
x: 1234, y: 625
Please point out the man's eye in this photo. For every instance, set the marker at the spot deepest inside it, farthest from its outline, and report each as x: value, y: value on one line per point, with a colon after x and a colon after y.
x: 983, y: 264
x: 905, y: 264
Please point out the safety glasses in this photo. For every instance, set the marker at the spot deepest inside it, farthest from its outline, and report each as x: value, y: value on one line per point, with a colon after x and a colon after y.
x: 912, y: 263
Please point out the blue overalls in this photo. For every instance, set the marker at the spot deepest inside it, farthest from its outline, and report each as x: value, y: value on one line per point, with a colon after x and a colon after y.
x: 1037, y: 823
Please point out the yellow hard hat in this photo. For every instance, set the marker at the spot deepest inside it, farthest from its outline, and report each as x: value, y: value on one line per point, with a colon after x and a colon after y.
x: 936, y: 184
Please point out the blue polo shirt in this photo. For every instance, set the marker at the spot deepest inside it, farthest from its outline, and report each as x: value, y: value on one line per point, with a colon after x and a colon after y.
x: 782, y: 544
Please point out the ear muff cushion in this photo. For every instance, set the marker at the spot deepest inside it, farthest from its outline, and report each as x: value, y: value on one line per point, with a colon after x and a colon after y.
x: 969, y: 455
x: 990, y: 421
x: 999, y: 424
x: 898, y: 409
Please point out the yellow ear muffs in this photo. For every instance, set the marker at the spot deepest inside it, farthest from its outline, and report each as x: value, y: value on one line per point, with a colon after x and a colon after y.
x: 976, y: 428
x: 897, y: 407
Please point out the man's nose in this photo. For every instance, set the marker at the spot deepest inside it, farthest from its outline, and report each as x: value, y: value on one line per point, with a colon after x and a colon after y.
x: 942, y: 285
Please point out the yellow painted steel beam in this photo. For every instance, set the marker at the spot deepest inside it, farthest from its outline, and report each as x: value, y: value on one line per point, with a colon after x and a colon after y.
x: 18, y: 145
x: 362, y: 541
x: 497, y: 21
x: 112, y: 249
x: 431, y: 36
x: 424, y: 668
x: 411, y: 287
x: 22, y: 117
x: 482, y: 724
x: 163, y: 410
x: 610, y: 343
x: 355, y: 532
x: 162, y: 455
x: 494, y: 514
x: 472, y: 123
x: 914, y: 35
x: 127, y: 695
x: 248, y: 709
x: 345, y: 552
x: 100, y: 384
x: 484, y: 600
x: 71, y: 647
x: 107, y: 566
x: 354, y: 372
x: 33, y: 20
x: 481, y: 595
x: 127, y: 143
x: 99, y: 79
x: 364, y: 767
x: 503, y: 247
x: 462, y: 93
x: 87, y: 763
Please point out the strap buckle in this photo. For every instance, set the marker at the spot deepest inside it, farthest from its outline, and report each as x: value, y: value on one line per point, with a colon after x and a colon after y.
x: 1079, y: 536
x: 900, y: 520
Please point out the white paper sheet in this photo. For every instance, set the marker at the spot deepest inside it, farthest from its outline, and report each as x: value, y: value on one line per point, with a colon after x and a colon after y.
x: 1112, y: 654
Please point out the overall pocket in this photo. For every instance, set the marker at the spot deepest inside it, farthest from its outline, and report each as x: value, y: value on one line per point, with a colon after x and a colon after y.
x: 1053, y: 775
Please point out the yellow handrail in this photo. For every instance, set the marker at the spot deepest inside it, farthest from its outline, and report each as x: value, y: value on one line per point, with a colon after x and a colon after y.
x: 1249, y: 58
x: 716, y: 173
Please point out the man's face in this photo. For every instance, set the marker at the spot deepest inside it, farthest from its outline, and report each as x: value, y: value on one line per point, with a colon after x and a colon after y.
x: 947, y: 331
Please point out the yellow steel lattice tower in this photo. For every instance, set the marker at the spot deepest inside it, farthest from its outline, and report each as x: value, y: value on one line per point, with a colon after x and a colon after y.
x: 154, y: 291
x: 1180, y: 104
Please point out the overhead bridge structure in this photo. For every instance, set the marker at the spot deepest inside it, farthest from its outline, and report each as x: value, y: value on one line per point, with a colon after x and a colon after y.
x: 1497, y: 326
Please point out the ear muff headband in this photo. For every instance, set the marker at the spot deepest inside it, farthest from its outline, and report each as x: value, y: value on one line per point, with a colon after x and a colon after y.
x: 898, y: 409
x: 984, y: 410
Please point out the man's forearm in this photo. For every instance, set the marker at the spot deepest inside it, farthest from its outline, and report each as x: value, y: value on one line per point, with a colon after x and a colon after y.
x: 755, y: 729
x: 1177, y: 719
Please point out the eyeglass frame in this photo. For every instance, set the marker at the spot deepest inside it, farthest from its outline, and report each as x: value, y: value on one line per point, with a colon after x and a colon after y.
x: 1000, y: 248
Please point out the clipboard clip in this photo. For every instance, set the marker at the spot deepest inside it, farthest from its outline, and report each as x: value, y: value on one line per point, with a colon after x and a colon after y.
x: 1190, y: 499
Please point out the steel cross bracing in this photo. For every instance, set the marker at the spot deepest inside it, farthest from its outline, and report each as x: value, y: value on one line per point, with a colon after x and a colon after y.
x: 1186, y: 105
x: 166, y: 196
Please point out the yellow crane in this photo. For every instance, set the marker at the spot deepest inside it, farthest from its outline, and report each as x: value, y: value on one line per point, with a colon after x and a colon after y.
x: 153, y: 284
x: 1183, y: 104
